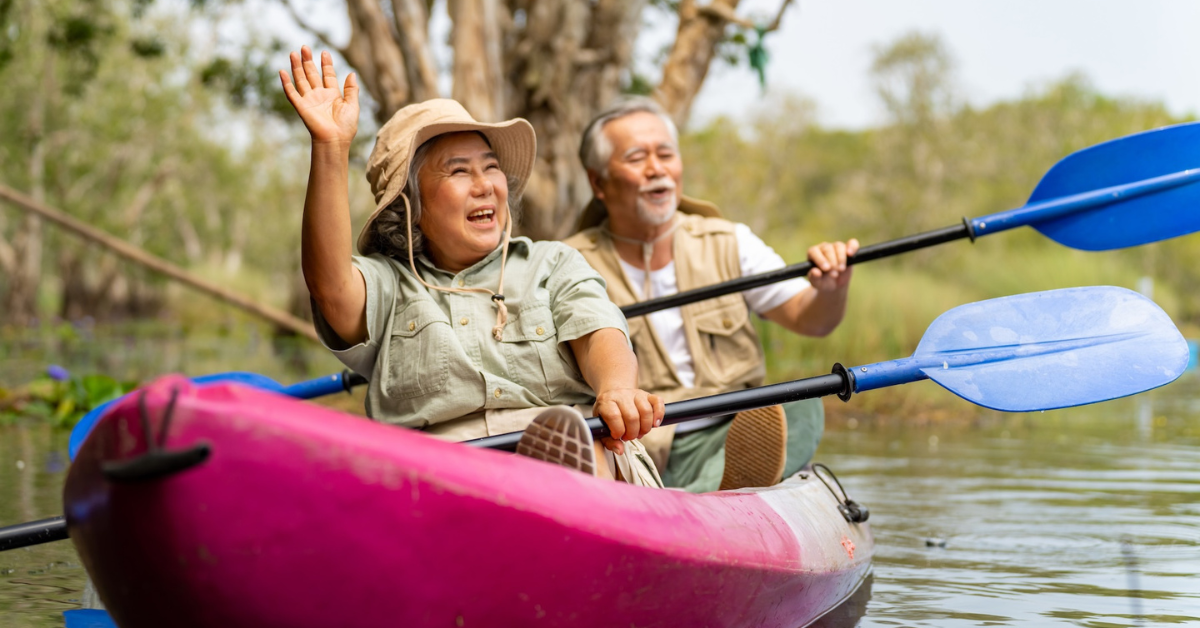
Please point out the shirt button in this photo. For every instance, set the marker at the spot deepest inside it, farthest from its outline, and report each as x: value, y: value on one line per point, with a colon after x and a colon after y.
x: 462, y: 282
x: 497, y: 393
x: 412, y: 325
x: 463, y: 321
x: 540, y: 331
x: 727, y: 323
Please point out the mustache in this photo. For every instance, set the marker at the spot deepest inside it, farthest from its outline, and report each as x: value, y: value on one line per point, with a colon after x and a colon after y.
x: 661, y: 184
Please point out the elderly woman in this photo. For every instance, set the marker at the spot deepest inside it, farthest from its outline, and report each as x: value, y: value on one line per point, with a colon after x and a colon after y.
x: 459, y: 327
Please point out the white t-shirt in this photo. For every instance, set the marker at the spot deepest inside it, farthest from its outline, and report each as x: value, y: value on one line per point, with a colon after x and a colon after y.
x: 754, y: 256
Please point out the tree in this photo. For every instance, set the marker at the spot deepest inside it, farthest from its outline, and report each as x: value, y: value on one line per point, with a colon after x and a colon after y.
x: 104, y: 115
x: 554, y: 62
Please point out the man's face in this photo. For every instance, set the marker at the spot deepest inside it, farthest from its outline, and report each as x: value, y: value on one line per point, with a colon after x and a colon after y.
x: 644, y: 180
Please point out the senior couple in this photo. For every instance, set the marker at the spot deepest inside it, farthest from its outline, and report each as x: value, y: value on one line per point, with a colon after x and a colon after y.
x: 465, y: 331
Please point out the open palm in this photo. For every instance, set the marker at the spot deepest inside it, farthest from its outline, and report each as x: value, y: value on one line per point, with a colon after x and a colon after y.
x: 328, y: 115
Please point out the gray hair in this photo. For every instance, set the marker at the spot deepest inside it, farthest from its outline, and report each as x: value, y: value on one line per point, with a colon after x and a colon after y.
x: 595, y: 149
x: 390, y: 229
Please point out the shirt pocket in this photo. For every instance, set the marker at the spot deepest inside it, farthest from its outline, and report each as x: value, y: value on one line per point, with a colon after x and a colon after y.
x: 531, y: 351
x: 418, y: 361
x: 728, y: 348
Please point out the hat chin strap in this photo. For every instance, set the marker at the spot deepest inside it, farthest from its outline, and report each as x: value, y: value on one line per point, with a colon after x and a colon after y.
x: 497, y: 297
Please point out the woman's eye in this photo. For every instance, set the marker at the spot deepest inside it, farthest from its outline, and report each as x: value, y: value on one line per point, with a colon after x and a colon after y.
x: 493, y: 166
x: 459, y: 171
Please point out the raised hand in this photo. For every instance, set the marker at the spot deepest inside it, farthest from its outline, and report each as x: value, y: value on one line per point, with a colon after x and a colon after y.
x: 329, y: 116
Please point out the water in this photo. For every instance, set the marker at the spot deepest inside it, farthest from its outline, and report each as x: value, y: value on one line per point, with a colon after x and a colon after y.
x: 1085, y: 517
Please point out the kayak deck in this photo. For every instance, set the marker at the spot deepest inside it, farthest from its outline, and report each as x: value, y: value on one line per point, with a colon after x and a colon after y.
x: 304, y: 516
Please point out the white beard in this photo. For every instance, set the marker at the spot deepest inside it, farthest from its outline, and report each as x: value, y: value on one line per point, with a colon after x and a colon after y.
x: 656, y: 215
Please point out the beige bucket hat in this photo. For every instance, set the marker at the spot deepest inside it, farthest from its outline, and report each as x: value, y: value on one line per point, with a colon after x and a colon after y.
x: 387, y: 168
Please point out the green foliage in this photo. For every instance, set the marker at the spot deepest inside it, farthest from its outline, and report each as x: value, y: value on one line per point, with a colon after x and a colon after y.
x: 251, y: 81
x: 152, y: 146
x: 797, y: 183
x: 60, y: 403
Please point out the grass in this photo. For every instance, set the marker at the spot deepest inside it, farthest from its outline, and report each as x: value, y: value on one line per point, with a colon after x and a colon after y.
x: 892, y: 302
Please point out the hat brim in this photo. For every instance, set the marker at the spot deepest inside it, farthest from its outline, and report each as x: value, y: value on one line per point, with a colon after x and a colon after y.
x: 513, y: 141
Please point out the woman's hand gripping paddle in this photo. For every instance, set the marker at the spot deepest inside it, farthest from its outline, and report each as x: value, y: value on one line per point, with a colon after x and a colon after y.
x: 1037, y: 351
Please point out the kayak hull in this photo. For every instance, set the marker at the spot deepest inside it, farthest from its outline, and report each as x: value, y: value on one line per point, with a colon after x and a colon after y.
x: 303, y: 516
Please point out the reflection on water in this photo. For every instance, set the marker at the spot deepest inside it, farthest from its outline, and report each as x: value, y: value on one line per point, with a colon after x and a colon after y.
x: 1073, y: 518
x: 1084, y: 517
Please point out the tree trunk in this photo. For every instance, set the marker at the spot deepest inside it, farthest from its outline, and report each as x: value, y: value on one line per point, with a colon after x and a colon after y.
x: 478, y: 73
x: 687, y: 65
x: 556, y: 63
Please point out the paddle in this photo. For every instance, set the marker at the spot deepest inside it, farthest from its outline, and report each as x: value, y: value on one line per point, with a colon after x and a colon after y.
x: 1126, y: 192
x: 1037, y: 351
x: 310, y: 389
x: 55, y: 528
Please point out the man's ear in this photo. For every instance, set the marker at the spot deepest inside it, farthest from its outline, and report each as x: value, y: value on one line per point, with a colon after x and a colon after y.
x: 595, y: 181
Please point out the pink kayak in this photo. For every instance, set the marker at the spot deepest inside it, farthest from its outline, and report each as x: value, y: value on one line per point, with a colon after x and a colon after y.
x: 248, y: 508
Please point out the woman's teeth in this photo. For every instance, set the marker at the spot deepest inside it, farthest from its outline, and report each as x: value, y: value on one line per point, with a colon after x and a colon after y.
x: 482, y: 215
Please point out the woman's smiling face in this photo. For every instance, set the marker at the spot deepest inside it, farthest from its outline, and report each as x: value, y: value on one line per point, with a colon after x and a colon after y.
x: 464, y: 199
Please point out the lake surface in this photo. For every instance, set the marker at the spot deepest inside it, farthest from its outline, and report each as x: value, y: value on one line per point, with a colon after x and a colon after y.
x: 1082, y: 517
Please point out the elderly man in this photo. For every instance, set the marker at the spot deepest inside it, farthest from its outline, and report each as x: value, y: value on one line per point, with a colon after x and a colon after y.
x: 649, y: 241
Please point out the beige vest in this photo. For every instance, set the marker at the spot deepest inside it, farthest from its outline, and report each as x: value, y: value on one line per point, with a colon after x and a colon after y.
x: 725, y: 348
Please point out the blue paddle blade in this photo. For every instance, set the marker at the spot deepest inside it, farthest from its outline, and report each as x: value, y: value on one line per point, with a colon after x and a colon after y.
x: 1043, y: 350
x: 1165, y: 213
x: 1055, y: 349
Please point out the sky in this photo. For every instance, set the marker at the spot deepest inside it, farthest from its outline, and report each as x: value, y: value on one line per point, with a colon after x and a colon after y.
x: 1147, y: 49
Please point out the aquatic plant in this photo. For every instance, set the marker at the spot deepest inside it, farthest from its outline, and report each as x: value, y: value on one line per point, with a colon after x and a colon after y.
x: 58, y: 397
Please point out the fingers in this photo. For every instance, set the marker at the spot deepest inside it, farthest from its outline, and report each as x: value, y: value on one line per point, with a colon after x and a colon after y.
x: 351, y: 95
x: 645, y: 411
x: 328, y: 74
x: 311, y: 74
x: 613, y: 445
x: 830, y: 261
x: 610, y: 413
x: 288, y: 89
x: 302, y: 85
x: 629, y: 414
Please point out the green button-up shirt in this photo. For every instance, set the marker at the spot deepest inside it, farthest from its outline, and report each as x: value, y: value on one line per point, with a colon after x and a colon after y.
x: 430, y: 355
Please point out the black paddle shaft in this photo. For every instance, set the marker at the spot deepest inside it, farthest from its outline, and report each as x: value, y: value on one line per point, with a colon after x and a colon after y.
x: 840, y: 382
x: 865, y: 254
x: 33, y: 533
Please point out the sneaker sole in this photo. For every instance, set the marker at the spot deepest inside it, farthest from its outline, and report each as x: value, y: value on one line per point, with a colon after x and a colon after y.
x: 559, y: 436
x: 755, y: 449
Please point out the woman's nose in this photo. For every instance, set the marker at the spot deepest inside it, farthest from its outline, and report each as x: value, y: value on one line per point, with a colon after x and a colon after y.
x: 482, y: 185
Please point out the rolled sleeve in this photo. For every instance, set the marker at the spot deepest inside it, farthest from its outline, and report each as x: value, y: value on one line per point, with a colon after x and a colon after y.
x: 579, y: 299
x: 380, y: 280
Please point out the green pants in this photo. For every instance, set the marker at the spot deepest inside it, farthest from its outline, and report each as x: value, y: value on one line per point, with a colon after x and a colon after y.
x: 697, y: 460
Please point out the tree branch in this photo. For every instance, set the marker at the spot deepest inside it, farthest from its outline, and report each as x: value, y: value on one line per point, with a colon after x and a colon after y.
x: 412, y: 26
x: 725, y: 13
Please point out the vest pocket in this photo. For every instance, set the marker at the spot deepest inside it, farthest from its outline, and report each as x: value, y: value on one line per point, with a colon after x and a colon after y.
x: 531, y: 350
x: 728, y: 346
x: 418, y: 361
